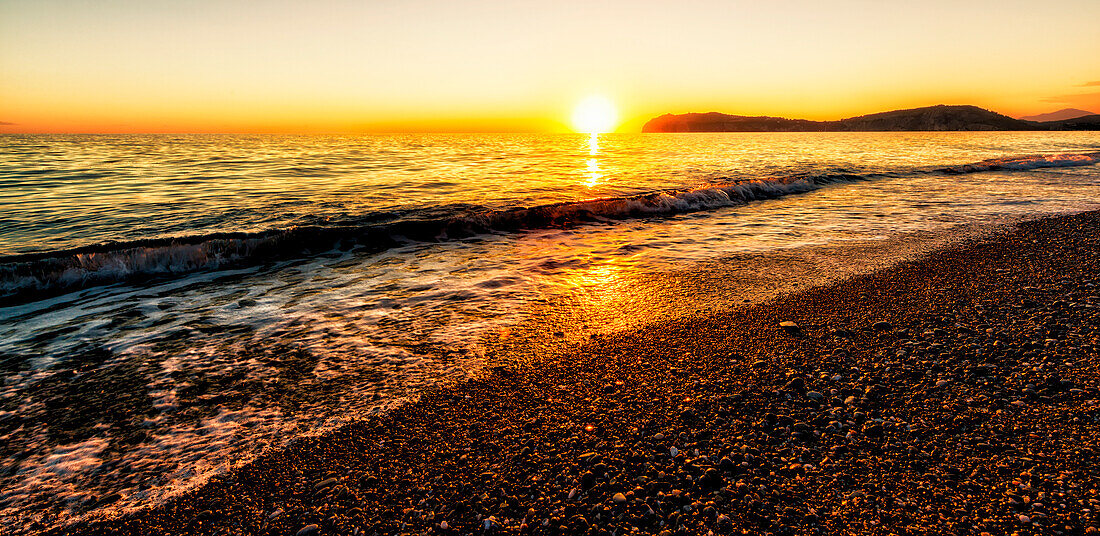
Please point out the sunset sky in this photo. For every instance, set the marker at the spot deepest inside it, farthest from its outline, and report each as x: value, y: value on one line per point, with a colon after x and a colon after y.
x: 420, y: 65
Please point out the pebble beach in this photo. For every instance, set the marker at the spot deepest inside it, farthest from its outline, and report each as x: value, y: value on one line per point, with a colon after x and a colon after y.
x: 956, y: 393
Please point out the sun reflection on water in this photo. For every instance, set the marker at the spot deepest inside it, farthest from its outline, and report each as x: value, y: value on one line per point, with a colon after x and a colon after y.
x: 593, y: 174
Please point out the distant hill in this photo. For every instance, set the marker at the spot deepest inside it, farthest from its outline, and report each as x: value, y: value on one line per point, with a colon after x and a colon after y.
x: 940, y: 117
x: 1060, y: 115
x: 1088, y: 122
x: 929, y: 118
x: 719, y: 122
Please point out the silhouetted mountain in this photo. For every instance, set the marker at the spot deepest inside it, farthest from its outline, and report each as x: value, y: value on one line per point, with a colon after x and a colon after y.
x: 719, y: 122
x: 930, y: 118
x: 1088, y: 122
x: 1060, y: 115
x: 940, y: 117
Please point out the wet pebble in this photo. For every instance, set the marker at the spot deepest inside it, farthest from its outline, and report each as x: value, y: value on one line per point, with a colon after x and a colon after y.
x: 308, y: 530
x: 324, y: 483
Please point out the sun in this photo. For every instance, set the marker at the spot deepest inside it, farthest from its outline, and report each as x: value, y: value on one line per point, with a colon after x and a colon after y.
x: 595, y: 115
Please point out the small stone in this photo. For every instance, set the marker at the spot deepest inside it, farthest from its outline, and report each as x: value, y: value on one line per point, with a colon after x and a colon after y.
x: 579, y: 522
x: 712, y: 478
x: 324, y: 483
x: 1024, y: 519
x: 882, y: 326
x: 619, y: 498
x: 789, y: 326
x: 814, y: 395
x: 724, y: 523
x: 308, y: 530
x: 588, y: 480
x: 673, y: 451
x: 849, y: 401
x: 941, y: 383
x: 659, y: 436
x: 443, y: 525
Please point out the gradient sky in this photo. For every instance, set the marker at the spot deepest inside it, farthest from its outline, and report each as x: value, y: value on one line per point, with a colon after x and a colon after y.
x: 427, y: 65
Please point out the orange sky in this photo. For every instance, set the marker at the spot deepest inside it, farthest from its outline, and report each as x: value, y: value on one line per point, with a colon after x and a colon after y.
x: 425, y: 65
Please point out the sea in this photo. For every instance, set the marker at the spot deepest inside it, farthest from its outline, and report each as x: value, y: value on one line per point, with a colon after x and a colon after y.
x: 172, y: 306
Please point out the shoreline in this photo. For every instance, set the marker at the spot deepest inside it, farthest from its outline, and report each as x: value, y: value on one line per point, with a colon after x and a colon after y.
x: 583, y: 442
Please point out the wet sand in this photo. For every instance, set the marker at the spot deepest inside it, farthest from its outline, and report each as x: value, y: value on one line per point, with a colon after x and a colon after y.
x: 952, y: 394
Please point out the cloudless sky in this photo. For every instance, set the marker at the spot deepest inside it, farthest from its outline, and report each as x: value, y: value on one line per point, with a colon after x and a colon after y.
x: 328, y: 65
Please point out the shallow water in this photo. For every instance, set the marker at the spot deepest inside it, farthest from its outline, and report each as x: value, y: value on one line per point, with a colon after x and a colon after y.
x: 321, y: 279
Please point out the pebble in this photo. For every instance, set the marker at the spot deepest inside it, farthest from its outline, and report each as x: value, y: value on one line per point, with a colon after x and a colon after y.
x: 324, y: 483
x: 814, y: 395
x: 788, y: 325
x: 941, y: 383
x: 882, y: 326
x: 673, y: 451
x: 308, y: 530
x: 619, y: 498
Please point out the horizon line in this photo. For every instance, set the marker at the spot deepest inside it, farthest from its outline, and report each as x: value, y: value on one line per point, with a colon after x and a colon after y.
x: 4, y: 125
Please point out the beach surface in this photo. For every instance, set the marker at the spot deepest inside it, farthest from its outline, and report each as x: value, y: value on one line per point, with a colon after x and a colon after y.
x: 956, y: 393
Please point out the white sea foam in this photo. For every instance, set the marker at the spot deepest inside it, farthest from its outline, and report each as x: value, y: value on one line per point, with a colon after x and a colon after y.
x: 1024, y: 163
x: 67, y: 460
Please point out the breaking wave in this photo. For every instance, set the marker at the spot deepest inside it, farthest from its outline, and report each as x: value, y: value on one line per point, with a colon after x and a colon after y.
x: 1024, y: 163
x: 32, y: 276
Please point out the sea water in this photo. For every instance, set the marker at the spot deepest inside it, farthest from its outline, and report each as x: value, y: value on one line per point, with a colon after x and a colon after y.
x: 172, y: 305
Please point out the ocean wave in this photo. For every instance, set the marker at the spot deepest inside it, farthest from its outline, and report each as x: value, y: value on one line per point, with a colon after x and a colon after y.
x: 26, y: 277
x: 33, y: 276
x: 1024, y: 163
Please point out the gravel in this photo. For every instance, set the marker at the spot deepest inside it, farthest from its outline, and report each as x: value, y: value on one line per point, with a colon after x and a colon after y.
x: 954, y: 394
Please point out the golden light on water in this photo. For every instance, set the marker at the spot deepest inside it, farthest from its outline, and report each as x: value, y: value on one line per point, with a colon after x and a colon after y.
x: 593, y: 174
x: 595, y: 114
